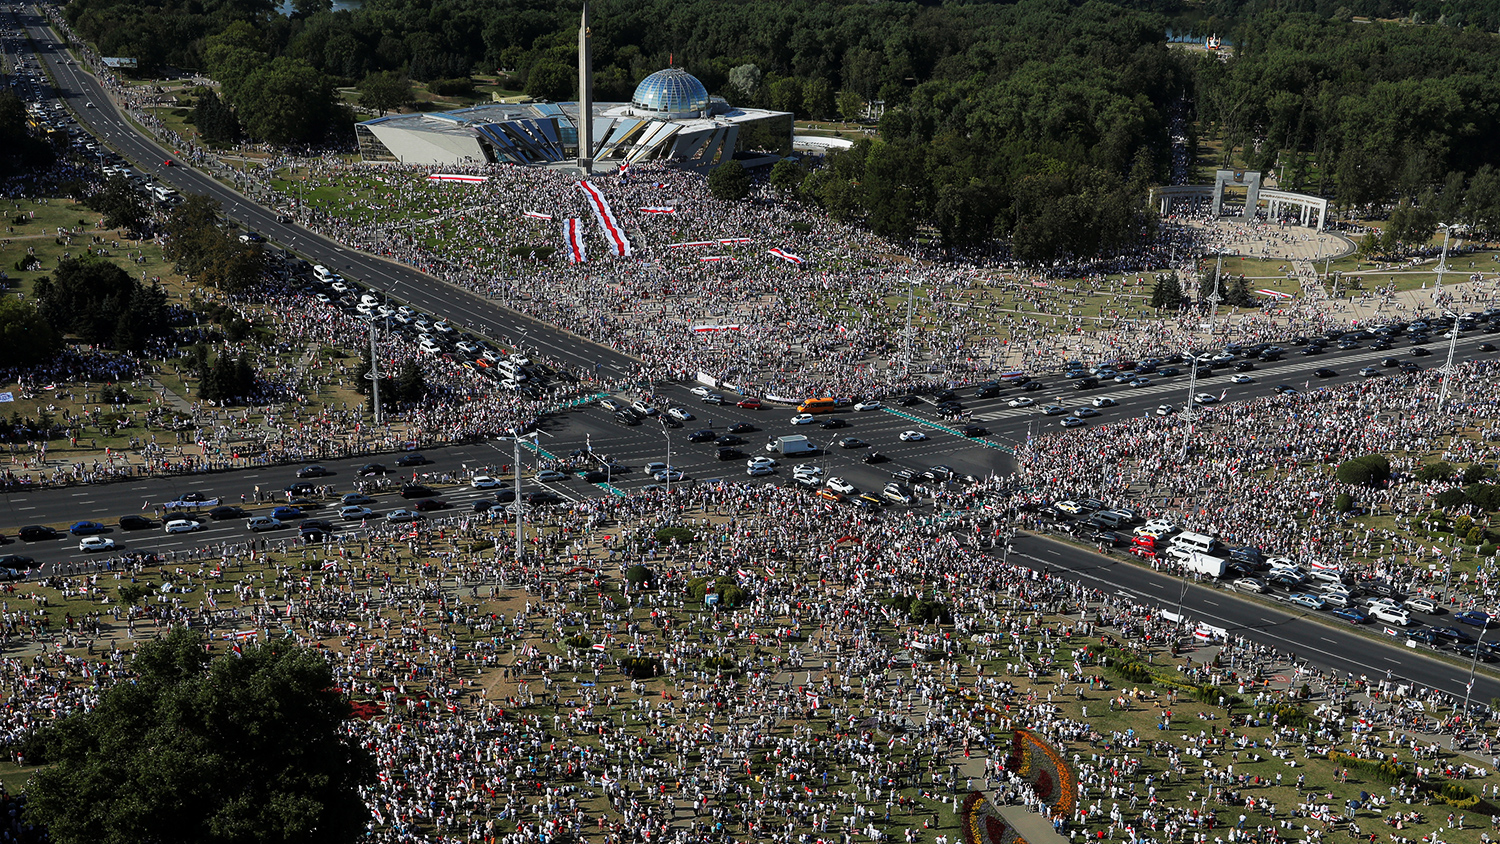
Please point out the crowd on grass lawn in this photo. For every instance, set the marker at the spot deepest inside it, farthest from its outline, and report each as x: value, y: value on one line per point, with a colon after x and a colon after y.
x: 817, y: 709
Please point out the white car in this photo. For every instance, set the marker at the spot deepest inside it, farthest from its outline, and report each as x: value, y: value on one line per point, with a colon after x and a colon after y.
x: 183, y: 526
x: 679, y: 414
x: 912, y: 436
x: 806, y: 470
x: 840, y: 485
x: 804, y: 419
x: 1020, y: 401
x: 669, y: 475
x: 442, y: 327
x: 700, y: 391
x: 1072, y: 422
x: 96, y: 543
x: 1242, y: 378
x: 656, y: 466
x: 760, y: 461
x: 485, y: 482
x: 611, y: 404
x: 466, y: 347
x: 1103, y: 401
x: 354, y: 512
x: 1206, y: 398
x: 1165, y: 410
x: 643, y: 408
x: 868, y: 405
x: 760, y: 470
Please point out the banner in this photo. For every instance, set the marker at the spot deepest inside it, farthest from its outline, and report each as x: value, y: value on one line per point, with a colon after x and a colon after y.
x: 573, y: 237
x: 1276, y: 294
x: 174, y: 505
x: 613, y: 234
x: 658, y: 209
x: 785, y: 256
x: 734, y: 240
x: 454, y: 177
x: 716, y: 258
x: 7, y: 396
x: 692, y: 243
x: 703, y: 329
x: 537, y: 215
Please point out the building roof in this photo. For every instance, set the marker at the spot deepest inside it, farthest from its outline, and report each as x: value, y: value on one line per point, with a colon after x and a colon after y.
x: 670, y: 93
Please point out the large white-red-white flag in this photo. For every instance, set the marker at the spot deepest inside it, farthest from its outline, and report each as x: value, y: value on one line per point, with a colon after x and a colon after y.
x: 537, y: 215
x: 573, y: 237
x: 785, y: 256
x: 613, y: 234
x: 456, y: 177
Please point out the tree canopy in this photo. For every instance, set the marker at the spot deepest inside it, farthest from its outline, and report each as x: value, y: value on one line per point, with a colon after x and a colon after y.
x: 98, y: 301
x: 203, y: 749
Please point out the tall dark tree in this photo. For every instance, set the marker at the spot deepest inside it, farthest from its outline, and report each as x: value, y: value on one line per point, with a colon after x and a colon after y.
x: 26, y: 338
x: 201, y: 749
x: 214, y: 118
x: 729, y: 181
x: 122, y: 204
x: 100, y: 302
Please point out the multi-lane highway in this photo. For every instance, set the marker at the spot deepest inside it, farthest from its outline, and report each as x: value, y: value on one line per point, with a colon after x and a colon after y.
x: 96, y: 109
x: 593, y: 430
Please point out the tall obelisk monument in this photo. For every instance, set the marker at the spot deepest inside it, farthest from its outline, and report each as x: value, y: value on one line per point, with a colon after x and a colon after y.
x: 585, y: 93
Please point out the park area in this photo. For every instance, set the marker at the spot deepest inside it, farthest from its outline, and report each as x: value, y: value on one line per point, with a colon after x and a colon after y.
x: 632, y: 677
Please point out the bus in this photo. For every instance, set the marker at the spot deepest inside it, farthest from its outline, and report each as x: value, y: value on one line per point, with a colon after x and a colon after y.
x: 816, y: 406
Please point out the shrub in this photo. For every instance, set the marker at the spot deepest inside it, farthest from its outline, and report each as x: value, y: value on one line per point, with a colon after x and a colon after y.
x: 451, y: 87
x: 721, y: 664
x: 578, y: 641
x: 678, y: 534
x: 1450, y: 498
x: 1461, y: 525
x: 1476, y: 473
x: 1488, y: 549
x: 1366, y: 470
x: 639, y: 667
x: 1475, y: 536
x: 1343, y: 502
x: 638, y: 575
x: 1484, y: 496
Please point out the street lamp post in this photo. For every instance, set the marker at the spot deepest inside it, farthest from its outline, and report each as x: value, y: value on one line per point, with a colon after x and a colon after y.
x: 1449, y: 367
x: 1189, y: 413
x: 1473, y: 663
x: 668, y: 435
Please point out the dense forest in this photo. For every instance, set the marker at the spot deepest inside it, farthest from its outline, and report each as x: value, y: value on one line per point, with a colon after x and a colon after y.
x: 1040, y: 122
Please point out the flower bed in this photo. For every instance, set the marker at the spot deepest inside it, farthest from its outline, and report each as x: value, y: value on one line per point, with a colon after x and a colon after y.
x: 1045, y: 769
x: 983, y: 825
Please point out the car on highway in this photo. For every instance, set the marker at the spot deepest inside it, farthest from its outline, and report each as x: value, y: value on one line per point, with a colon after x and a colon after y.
x: 714, y: 399
x: 742, y: 428
x: 404, y: 515
x: 1072, y: 508
x: 1165, y: 410
x: 749, y: 403
x: 1241, y: 379
x: 1206, y: 398
x: 761, y: 461
x: 1371, y: 371
x: 313, y: 472
x: 760, y: 470
x: 1253, y: 585
x: 354, y: 511
x: 700, y: 391
x: 1103, y: 401
x: 729, y: 440
x: 912, y: 436
x: 17, y: 562
x: 485, y: 482
x: 1085, y: 412
x: 370, y: 470
x: 413, y: 459
x: 868, y: 404
x: 1420, y: 352
x: 974, y: 430
x: 36, y: 533
x: 1141, y: 381
x: 90, y: 544
x: 226, y: 512
x: 183, y: 526
x: 1021, y: 401
x: 1473, y: 617
x: 840, y: 485
x: 416, y: 491
x: 612, y: 404
x: 260, y: 523
x: 702, y: 436
x: 551, y: 476
x: 804, y: 419
x: 285, y: 513
x: 852, y: 442
x: 1421, y: 604
x: 1353, y: 615
x: 1072, y: 422
x: 87, y: 528
x: 428, y: 504
x: 1307, y: 599
x: 1054, y: 410
x: 833, y: 423
x: 355, y: 498
x: 680, y: 414
x: 1486, y: 347
x: 136, y: 522
x: 668, y: 475
x: 644, y: 409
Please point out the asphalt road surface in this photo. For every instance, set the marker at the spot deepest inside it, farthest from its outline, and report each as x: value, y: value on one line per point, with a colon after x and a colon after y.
x: 96, y: 111
x: 1314, y: 636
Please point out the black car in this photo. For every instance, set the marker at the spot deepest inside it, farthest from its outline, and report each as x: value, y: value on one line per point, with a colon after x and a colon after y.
x: 833, y: 423
x: 730, y: 453
x: 19, y: 562
x: 593, y: 476
x: 1244, y: 365
x: 703, y: 436
x: 873, y: 457
x: 1088, y: 383
x: 413, y: 459
x: 950, y: 407
x: 988, y: 391
x: 483, y: 505
x: 134, y: 522
x: 1284, y: 390
x: 741, y: 428
x: 220, y: 514
x: 938, y: 473
x: 427, y: 504
x: 370, y: 470
x: 1410, y: 367
x: 730, y: 439
x: 904, y: 475
x: 1168, y: 371
x: 944, y: 395
x: 626, y: 417
x: 36, y: 533
x: 416, y: 491
x: 975, y: 430
x: 313, y: 472
x: 1486, y: 347
x: 852, y: 442
x: 316, y: 524
x: 908, y: 401
x: 669, y: 422
x: 1324, y: 372
x: 300, y: 488
x: 505, y: 496
x: 541, y: 496
x: 1032, y: 386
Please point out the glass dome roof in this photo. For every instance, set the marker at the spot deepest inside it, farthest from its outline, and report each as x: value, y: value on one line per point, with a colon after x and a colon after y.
x: 672, y: 91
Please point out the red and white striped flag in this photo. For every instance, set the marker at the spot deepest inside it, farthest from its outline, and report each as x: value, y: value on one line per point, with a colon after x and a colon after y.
x: 573, y: 236
x: 658, y: 209
x: 537, y: 215
x: 613, y: 234
x: 454, y: 177
x: 784, y: 255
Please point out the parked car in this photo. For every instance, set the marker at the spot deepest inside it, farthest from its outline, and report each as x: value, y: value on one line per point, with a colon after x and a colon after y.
x: 183, y: 526
x: 91, y: 544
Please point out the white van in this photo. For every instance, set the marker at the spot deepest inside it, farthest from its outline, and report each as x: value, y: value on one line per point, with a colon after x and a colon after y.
x: 1200, y: 542
x: 322, y: 273
x: 1391, y: 615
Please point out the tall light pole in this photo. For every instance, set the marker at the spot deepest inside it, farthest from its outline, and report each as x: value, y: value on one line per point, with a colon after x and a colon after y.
x: 1189, y: 412
x: 911, y: 300
x: 374, y: 374
x: 1449, y: 368
x: 1468, y: 690
x: 668, y: 435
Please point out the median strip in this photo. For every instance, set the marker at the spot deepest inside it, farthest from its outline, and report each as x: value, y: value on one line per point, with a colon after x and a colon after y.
x: 984, y: 441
